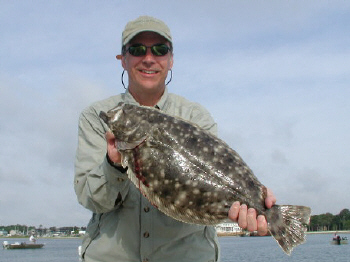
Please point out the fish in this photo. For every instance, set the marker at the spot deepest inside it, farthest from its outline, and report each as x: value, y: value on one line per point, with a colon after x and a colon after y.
x: 193, y: 176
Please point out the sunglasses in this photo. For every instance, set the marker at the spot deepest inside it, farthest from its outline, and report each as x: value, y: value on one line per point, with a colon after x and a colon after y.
x: 141, y: 50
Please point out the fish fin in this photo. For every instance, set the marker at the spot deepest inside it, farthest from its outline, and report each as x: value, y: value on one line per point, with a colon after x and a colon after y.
x: 287, y: 224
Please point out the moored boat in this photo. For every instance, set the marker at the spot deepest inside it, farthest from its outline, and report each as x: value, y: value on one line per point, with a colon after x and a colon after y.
x: 22, y: 245
x: 339, y: 240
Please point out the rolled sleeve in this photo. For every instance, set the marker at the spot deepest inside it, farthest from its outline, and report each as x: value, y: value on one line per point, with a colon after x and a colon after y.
x: 98, y: 185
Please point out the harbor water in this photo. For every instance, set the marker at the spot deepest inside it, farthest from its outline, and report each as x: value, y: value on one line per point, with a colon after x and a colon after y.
x: 265, y: 249
x: 262, y: 249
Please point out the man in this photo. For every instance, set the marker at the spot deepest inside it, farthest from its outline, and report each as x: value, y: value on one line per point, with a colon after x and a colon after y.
x: 124, y: 225
x: 32, y: 239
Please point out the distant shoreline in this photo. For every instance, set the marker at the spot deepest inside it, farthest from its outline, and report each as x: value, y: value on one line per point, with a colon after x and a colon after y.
x: 329, y: 232
x: 242, y: 234
x: 24, y: 237
x: 220, y: 234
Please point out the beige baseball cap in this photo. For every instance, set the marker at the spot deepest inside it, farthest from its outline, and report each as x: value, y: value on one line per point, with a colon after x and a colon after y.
x: 142, y: 24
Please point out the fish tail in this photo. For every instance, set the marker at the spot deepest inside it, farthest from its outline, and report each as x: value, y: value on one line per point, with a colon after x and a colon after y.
x: 287, y: 224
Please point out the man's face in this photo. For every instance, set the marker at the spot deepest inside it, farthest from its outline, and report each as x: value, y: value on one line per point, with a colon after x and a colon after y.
x: 147, y: 73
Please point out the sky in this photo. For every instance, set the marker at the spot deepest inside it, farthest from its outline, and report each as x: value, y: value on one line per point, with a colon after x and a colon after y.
x: 275, y: 75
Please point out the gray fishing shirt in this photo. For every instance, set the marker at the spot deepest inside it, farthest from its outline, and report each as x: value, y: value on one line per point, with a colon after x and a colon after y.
x: 124, y: 225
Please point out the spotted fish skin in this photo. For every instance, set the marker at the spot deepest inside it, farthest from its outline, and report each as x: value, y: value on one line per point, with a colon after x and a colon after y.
x: 193, y: 176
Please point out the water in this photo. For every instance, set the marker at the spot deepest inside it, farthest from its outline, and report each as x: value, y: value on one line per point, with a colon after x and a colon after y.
x: 55, y: 250
x: 262, y: 249
x: 265, y: 249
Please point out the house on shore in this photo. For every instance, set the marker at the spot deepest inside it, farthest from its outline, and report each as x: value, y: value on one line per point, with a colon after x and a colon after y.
x: 228, y: 229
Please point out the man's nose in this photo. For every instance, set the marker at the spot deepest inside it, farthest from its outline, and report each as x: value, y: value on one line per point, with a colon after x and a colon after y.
x: 149, y: 57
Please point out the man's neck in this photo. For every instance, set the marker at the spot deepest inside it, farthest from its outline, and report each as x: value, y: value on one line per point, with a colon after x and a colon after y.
x: 147, y: 99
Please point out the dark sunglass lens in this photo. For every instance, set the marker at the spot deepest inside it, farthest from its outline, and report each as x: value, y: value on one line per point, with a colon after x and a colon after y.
x: 137, y: 50
x: 160, y: 50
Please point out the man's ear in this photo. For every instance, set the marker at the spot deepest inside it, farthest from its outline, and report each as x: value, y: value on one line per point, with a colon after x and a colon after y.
x: 123, y: 60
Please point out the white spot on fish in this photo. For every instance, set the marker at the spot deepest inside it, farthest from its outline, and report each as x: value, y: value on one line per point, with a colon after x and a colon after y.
x: 196, y: 191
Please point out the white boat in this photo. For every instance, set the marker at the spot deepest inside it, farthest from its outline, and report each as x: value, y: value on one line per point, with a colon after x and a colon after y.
x: 22, y: 245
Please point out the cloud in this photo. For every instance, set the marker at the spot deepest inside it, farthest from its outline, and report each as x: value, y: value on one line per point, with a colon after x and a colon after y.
x: 274, y: 76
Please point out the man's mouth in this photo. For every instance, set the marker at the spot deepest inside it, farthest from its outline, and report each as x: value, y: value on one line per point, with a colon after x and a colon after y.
x: 149, y: 71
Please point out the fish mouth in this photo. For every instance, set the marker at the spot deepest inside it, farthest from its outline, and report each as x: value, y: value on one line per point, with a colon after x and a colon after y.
x: 110, y: 116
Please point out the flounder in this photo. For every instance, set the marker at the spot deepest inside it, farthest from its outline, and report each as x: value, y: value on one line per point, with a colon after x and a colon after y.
x: 193, y: 176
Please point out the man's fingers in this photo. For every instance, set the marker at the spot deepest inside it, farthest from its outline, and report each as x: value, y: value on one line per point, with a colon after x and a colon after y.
x: 112, y: 150
x: 247, y: 218
x: 234, y: 211
x: 251, y: 220
x: 242, y: 217
x: 262, y: 225
x: 109, y: 136
x: 270, y: 199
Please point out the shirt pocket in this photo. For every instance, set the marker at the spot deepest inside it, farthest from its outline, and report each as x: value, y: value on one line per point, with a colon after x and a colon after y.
x: 132, y: 199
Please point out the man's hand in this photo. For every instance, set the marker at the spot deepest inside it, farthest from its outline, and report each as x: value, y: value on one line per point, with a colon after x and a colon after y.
x: 247, y: 219
x: 112, y: 150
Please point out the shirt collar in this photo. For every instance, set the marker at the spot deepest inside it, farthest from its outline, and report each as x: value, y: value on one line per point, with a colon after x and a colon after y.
x: 129, y: 99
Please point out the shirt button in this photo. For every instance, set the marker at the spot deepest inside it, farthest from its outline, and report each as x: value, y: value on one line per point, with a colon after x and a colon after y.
x: 146, y: 235
x: 146, y: 209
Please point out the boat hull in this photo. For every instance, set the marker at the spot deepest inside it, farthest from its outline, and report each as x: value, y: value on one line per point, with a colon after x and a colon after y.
x: 22, y: 246
x: 339, y: 242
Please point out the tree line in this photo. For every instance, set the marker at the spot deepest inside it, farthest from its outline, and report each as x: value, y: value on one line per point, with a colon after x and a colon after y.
x: 330, y: 222
x: 322, y: 222
x: 40, y: 231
